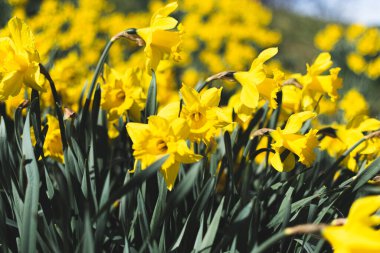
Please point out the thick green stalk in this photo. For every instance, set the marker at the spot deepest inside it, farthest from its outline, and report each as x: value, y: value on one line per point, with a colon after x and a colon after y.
x: 58, y: 105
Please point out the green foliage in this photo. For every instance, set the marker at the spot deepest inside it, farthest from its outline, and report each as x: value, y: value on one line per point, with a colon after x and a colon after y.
x: 224, y: 203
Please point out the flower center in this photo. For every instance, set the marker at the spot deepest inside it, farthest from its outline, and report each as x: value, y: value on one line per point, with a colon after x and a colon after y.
x: 120, y: 95
x: 196, y: 116
x: 161, y: 146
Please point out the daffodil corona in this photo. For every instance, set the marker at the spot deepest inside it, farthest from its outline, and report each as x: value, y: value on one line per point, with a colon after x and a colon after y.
x: 202, y: 113
x: 121, y: 92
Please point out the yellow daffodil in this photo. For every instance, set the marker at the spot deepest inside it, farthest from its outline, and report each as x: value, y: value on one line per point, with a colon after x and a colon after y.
x: 162, y: 137
x: 358, y: 234
x: 161, y: 41
x: 13, y: 102
x: 349, y: 134
x: 121, y: 92
x: 19, y: 60
x: 291, y: 98
x: 353, y: 104
x: 353, y: 132
x: 327, y: 38
x: 298, y: 144
x: 315, y: 81
x: 354, y: 31
x: 373, y: 68
x: 202, y: 113
x: 53, y: 144
x: 369, y: 42
x: 250, y: 79
x: 356, y: 63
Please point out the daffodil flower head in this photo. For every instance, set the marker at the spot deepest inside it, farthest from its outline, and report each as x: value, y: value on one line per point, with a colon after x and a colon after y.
x: 316, y: 84
x: 121, y: 92
x: 250, y: 79
x: 162, y: 137
x: 353, y: 104
x: 162, y: 38
x: 19, y: 60
x: 358, y: 234
x: 327, y: 38
x: 202, y: 112
x: 288, y: 142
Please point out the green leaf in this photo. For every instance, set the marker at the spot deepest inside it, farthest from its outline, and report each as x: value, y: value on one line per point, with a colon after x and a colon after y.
x: 151, y: 101
x: 88, y: 238
x: 209, y: 238
x: 3, y: 230
x: 49, y: 185
x: 198, y: 239
x: 135, y: 181
x: 196, y: 212
x: 282, y: 213
x: 308, y: 248
x: 184, y: 186
x: 244, y: 213
x: 28, y: 234
x: 6, y: 171
x: 160, y: 203
x: 162, y: 242
x: 369, y: 173
x: 102, y: 220
x: 143, y: 217
x: 17, y: 206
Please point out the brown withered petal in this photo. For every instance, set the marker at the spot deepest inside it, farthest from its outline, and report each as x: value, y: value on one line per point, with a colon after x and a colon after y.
x: 376, y: 180
x: 226, y: 75
x: 68, y: 114
x: 24, y: 103
x: 375, y: 134
x: 292, y: 81
x: 133, y: 37
x: 259, y: 132
x: 339, y: 222
x: 304, y: 229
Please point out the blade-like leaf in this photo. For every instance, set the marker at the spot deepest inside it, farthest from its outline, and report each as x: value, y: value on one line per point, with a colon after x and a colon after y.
x: 212, y: 230
x: 369, y: 173
x: 151, y: 101
x: 28, y: 234
x: 135, y: 181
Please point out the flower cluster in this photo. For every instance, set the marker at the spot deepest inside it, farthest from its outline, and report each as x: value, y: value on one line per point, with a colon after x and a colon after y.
x: 189, y: 122
x: 363, y: 44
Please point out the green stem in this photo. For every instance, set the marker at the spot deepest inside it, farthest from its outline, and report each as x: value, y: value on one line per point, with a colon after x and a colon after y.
x: 265, y: 245
x: 201, y: 87
x: 333, y: 168
x: 98, y: 69
x: 347, y: 152
x: 58, y: 105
